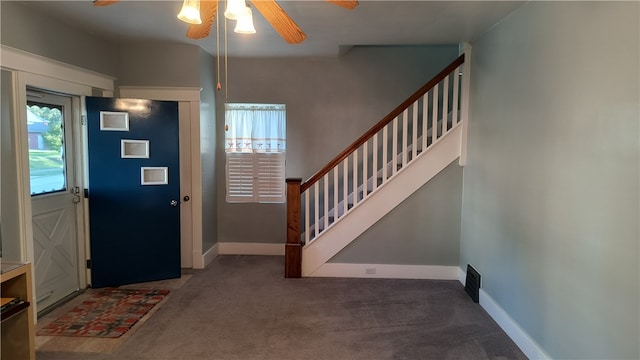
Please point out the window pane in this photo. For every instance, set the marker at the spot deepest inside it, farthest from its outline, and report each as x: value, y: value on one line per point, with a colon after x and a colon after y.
x: 255, y: 143
x: 46, y: 148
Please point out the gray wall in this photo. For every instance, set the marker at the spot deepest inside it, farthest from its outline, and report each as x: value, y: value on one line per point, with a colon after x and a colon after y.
x: 208, y: 150
x: 8, y: 179
x: 27, y: 29
x: 423, y: 230
x: 550, y: 195
x: 159, y: 64
x: 330, y: 102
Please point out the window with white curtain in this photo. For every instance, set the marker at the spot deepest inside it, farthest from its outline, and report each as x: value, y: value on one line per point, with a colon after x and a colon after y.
x: 255, y: 143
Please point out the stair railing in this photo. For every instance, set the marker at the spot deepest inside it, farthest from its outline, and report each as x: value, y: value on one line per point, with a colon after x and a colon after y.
x: 370, y: 161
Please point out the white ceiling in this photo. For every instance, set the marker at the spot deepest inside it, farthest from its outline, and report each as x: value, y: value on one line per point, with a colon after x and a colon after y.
x: 329, y: 28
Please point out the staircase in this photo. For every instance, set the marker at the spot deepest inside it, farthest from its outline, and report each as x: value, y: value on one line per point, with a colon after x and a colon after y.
x: 388, y: 163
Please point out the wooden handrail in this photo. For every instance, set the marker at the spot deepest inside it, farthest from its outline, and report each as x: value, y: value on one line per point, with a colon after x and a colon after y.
x: 381, y: 124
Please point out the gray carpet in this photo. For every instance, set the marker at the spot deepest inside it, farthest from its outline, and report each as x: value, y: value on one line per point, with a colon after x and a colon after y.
x: 241, y: 307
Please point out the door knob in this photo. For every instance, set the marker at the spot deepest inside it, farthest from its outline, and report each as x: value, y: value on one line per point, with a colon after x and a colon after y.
x: 174, y: 203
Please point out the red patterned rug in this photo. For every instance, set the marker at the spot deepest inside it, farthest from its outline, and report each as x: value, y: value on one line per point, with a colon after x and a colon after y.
x: 107, y: 313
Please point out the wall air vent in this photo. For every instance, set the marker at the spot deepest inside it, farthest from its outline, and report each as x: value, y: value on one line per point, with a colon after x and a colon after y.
x: 472, y: 283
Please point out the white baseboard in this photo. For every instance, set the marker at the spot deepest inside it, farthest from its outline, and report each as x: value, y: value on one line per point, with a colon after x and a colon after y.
x: 232, y: 248
x: 384, y: 271
x: 200, y: 261
x: 528, y: 346
x: 462, y: 276
x: 210, y: 254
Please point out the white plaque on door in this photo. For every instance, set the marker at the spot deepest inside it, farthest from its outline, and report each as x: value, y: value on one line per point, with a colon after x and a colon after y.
x: 154, y: 175
x: 114, y: 121
x: 134, y: 149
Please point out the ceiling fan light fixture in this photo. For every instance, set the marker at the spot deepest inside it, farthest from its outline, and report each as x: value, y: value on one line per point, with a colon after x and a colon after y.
x: 245, y: 23
x: 190, y: 12
x: 235, y: 9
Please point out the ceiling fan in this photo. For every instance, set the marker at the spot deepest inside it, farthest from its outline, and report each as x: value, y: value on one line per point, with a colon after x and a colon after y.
x: 273, y: 13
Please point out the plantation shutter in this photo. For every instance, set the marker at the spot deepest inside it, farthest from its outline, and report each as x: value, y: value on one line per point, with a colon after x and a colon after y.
x: 270, y: 177
x: 240, y: 177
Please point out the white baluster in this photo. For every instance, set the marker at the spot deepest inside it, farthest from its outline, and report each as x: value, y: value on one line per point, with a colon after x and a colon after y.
x: 456, y: 85
x: 405, y: 135
x: 414, y: 141
x: 307, y: 229
x: 365, y: 170
x: 434, y: 126
x: 335, y: 192
x: 316, y: 207
x: 325, y: 197
x: 345, y: 186
x: 425, y: 120
x: 394, y: 147
x: 355, y: 177
x: 445, y: 104
x: 385, y: 141
x: 374, y: 166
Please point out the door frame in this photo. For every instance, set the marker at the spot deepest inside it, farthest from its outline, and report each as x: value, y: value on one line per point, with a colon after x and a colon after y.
x: 188, y: 99
x: 30, y: 70
x: 37, y: 71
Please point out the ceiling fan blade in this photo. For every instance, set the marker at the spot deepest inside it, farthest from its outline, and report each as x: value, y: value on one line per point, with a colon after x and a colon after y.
x: 347, y: 4
x: 280, y: 21
x: 104, y: 2
x: 208, y: 9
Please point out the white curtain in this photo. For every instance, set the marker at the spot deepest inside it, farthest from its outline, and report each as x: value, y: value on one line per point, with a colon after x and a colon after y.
x: 255, y: 128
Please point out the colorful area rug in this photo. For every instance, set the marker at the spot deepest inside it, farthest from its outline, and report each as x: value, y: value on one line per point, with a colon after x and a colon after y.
x: 107, y: 313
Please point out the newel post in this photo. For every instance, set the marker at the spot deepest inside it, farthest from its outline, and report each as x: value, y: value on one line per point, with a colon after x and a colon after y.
x: 293, y: 247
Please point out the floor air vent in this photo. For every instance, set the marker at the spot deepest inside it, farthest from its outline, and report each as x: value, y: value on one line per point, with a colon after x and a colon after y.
x: 472, y: 284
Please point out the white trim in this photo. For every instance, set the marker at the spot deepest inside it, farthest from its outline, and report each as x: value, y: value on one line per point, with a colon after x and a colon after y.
x: 85, y: 184
x: 205, y: 259
x: 196, y: 183
x: 24, y: 61
x: 198, y: 260
x: 21, y: 146
x: 233, y: 248
x: 186, y: 208
x: 80, y: 164
x: 385, y: 271
x: 519, y: 336
x: 161, y: 93
x: 462, y: 276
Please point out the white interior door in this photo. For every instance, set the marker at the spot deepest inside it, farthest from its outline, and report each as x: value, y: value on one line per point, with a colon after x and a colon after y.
x: 54, y: 197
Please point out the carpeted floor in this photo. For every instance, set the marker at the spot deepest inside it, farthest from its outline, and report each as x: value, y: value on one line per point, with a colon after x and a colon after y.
x: 241, y: 307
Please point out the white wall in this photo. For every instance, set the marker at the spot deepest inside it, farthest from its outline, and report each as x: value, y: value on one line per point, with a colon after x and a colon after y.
x: 551, y: 192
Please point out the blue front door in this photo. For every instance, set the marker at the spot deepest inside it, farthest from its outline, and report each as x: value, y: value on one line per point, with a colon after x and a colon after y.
x: 134, y: 190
